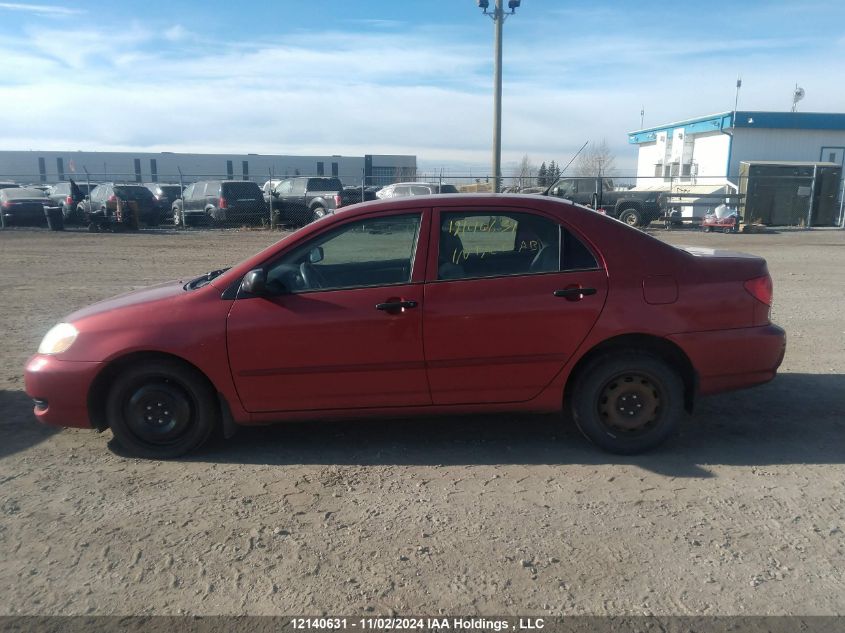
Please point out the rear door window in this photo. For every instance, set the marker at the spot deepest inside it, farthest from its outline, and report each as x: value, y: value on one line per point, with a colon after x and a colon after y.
x: 474, y: 245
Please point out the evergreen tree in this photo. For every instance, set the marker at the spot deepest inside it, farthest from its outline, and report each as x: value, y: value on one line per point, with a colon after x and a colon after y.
x: 542, y: 175
x: 553, y: 173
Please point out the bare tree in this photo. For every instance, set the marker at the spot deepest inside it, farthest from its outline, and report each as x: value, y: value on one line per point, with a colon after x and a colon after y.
x: 404, y: 174
x: 597, y: 159
x: 525, y: 173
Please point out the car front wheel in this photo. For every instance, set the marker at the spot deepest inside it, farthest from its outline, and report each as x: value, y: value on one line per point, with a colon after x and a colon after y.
x: 628, y: 402
x: 161, y: 409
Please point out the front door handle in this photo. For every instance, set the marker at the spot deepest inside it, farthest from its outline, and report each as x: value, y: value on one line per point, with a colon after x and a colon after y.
x: 396, y: 306
x: 574, y: 294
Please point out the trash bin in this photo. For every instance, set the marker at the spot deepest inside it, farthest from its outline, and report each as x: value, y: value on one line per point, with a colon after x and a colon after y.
x: 55, y: 219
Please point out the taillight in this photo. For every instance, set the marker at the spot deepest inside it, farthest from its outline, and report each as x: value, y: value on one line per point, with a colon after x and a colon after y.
x: 69, y: 201
x: 337, y: 201
x: 761, y: 289
x: 221, y: 203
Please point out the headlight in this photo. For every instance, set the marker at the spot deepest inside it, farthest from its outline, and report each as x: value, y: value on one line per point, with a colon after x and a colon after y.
x: 58, y: 339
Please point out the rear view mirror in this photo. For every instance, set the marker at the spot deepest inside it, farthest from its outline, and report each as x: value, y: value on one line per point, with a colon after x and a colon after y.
x: 555, y: 191
x: 254, y: 282
x: 316, y: 255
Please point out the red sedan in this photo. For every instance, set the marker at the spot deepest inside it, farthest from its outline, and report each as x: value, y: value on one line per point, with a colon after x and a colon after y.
x: 421, y: 306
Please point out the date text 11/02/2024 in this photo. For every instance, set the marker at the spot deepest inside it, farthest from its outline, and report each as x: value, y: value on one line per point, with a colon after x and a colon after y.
x: 422, y: 623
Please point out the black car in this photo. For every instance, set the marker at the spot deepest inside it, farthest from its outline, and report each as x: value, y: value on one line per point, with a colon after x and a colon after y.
x: 220, y: 202
x: 303, y: 199
x: 68, y: 196
x: 165, y: 195
x: 19, y: 205
x: 100, y: 208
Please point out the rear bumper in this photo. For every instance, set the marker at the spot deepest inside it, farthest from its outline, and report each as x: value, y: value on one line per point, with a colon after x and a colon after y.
x: 734, y: 359
x: 61, y: 389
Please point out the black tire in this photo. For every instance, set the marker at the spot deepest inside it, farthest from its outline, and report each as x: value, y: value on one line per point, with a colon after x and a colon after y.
x: 93, y: 227
x: 628, y: 402
x: 631, y: 216
x: 145, y: 393
x: 317, y: 213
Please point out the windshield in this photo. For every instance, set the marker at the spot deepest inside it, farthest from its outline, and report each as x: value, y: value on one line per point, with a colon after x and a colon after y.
x: 20, y: 193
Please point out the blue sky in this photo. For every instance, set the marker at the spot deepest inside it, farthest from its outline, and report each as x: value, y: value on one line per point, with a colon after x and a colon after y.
x: 352, y: 77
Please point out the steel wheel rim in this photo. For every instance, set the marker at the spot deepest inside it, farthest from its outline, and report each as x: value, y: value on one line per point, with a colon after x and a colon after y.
x: 631, y: 403
x: 159, y: 412
x: 630, y: 219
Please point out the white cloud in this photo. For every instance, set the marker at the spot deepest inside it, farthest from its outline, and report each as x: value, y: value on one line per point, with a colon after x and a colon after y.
x: 40, y: 9
x: 425, y: 92
x: 176, y: 33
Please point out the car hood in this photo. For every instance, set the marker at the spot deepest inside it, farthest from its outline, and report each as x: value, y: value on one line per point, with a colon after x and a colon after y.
x: 147, y: 295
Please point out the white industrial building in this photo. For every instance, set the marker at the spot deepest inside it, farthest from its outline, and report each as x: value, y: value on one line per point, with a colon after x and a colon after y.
x: 709, y: 149
x: 50, y: 167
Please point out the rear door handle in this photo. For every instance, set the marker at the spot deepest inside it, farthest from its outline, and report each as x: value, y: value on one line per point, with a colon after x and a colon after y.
x: 575, y: 293
x: 395, y: 306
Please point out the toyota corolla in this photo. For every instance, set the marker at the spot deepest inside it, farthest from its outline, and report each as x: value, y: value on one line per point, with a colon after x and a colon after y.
x: 439, y: 305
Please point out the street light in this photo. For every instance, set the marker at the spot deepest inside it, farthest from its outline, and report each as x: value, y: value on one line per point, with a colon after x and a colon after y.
x: 498, y: 15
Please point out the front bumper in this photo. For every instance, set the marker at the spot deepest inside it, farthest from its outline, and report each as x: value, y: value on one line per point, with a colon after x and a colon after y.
x: 734, y: 359
x: 61, y: 389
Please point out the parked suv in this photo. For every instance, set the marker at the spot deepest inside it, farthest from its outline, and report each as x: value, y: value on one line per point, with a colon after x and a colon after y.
x: 220, y: 202
x: 68, y: 195
x: 302, y: 200
x: 165, y: 195
x: 99, y: 209
x: 404, y: 189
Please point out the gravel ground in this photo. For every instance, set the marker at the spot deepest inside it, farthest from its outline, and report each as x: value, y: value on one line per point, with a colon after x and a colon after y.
x: 742, y: 513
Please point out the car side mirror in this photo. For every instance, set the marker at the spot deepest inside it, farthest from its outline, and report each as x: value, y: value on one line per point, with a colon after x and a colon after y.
x: 316, y: 255
x: 254, y: 283
x: 275, y: 194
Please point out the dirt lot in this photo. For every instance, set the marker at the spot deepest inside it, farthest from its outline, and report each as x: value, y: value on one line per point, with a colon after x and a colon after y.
x: 742, y: 513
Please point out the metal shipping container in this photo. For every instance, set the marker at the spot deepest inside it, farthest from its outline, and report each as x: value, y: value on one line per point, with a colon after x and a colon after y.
x: 784, y: 193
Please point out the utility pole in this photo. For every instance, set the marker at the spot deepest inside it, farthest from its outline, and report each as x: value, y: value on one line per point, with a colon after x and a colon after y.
x: 498, y: 15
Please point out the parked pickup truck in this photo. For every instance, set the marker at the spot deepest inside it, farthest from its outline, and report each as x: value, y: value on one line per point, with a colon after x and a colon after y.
x: 632, y: 206
x: 304, y: 199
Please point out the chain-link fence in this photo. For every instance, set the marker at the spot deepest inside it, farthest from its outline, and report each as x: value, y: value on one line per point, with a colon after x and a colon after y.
x: 797, y: 196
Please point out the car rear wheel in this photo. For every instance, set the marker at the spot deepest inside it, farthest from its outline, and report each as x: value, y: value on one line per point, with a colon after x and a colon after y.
x: 628, y: 402
x: 161, y: 409
x: 317, y: 213
x: 631, y: 217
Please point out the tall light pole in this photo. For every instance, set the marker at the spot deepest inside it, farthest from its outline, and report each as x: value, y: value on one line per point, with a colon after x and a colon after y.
x: 498, y: 15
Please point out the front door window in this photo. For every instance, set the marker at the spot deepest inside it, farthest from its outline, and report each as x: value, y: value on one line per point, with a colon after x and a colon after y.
x: 365, y: 253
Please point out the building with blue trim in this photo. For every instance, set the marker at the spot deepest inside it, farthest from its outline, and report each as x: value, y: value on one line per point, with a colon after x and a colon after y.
x: 709, y: 149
